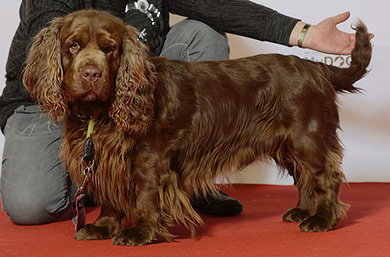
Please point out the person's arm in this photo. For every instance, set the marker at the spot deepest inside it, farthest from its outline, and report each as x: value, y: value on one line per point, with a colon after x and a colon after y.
x: 240, y: 17
x: 245, y: 18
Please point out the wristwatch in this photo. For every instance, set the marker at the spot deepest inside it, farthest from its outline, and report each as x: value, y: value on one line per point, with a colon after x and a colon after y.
x: 153, y: 14
x: 148, y: 9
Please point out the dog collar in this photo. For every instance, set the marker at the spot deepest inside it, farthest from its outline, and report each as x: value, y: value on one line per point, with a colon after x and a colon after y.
x: 91, y: 128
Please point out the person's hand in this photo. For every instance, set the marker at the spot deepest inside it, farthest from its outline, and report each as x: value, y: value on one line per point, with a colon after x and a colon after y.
x: 325, y: 37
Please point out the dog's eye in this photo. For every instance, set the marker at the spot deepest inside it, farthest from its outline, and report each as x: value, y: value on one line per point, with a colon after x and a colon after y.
x: 110, y: 49
x: 74, y: 48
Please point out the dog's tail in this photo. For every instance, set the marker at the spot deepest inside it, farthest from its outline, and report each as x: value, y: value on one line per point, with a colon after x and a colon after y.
x: 343, y: 79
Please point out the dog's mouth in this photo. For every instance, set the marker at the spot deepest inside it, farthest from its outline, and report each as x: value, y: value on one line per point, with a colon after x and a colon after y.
x: 89, y: 96
x: 93, y: 108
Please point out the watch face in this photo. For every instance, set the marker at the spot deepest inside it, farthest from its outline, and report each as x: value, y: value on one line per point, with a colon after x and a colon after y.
x: 142, y: 5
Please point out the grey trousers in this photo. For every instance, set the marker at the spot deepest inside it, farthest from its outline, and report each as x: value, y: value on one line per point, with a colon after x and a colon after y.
x: 34, y: 188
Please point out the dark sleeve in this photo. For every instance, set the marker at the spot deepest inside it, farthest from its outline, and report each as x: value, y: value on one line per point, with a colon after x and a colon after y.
x: 240, y: 17
x: 34, y: 15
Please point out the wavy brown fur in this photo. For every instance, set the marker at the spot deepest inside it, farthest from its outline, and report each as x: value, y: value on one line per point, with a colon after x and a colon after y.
x: 166, y: 129
x: 45, y: 50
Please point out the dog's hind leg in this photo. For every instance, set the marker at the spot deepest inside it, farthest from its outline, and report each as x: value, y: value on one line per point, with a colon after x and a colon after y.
x: 306, y: 202
x: 327, y: 184
x: 305, y: 206
x: 318, y: 177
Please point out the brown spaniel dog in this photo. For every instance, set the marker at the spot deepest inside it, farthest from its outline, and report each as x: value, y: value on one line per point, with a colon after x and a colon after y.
x: 165, y: 129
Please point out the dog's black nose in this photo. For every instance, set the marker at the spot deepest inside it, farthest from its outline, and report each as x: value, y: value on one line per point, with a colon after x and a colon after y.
x: 91, y: 74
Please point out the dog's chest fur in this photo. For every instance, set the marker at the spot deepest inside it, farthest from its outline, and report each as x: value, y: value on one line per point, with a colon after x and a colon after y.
x: 111, y: 181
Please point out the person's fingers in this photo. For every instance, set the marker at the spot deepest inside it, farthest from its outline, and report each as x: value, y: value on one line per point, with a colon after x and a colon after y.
x: 341, y: 17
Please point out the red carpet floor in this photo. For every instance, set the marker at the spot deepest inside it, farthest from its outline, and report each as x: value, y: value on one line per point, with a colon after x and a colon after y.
x: 258, y: 231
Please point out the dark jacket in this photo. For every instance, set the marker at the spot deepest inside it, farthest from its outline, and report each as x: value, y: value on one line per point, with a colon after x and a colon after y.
x: 240, y: 17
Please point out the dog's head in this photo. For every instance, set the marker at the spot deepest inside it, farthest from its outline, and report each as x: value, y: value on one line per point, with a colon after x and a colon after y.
x: 89, y: 63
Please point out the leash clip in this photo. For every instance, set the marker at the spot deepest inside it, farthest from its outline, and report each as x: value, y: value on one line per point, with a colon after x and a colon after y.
x: 88, y: 151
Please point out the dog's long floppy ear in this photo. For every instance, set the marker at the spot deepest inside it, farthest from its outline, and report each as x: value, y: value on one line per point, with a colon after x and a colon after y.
x: 133, y: 106
x: 43, y: 73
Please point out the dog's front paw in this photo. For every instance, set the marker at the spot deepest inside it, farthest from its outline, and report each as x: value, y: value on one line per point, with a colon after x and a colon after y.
x: 315, y: 224
x: 295, y: 215
x: 133, y: 237
x: 92, y: 232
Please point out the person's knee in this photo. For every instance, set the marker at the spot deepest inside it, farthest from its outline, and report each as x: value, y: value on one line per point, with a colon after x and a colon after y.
x: 203, y: 42
x: 34, y: 186
x: 32, y: 207
x: 35, y: 194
